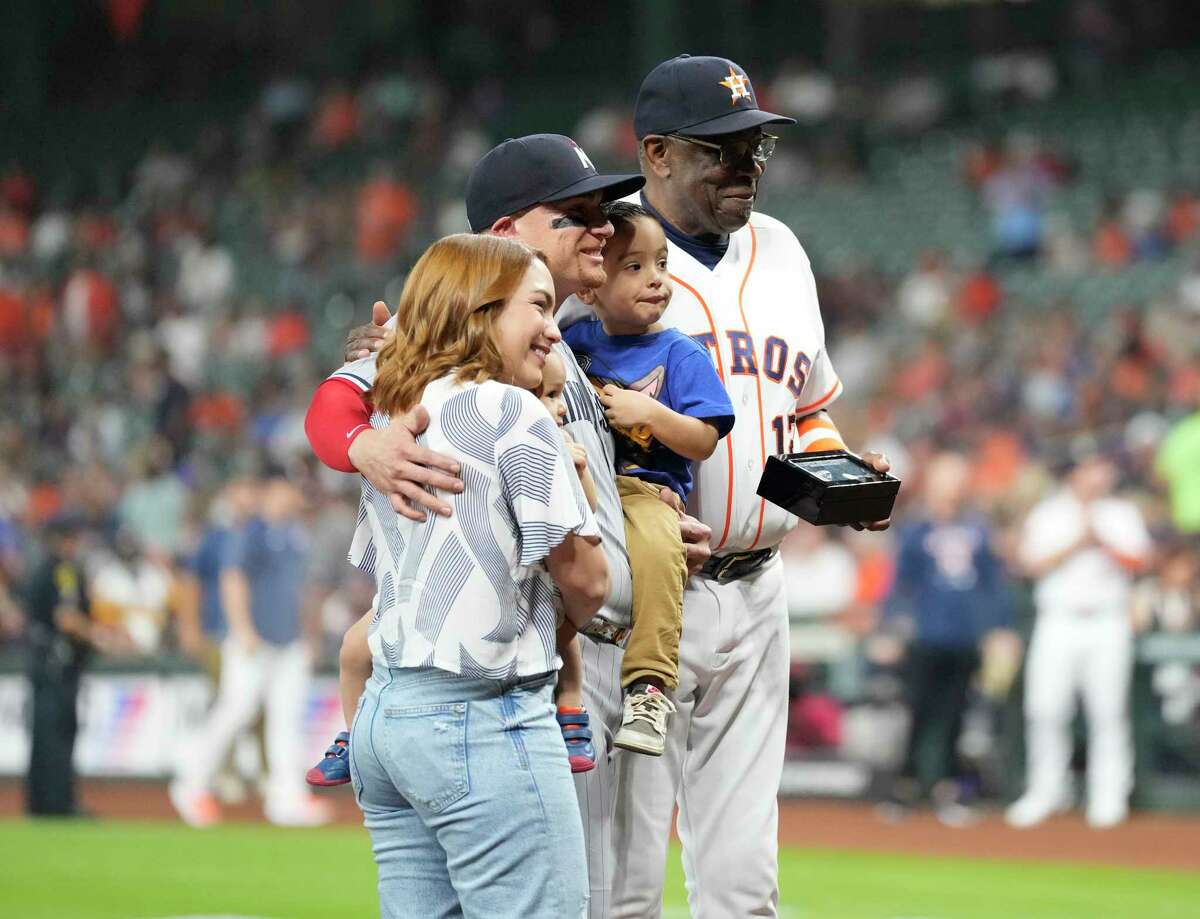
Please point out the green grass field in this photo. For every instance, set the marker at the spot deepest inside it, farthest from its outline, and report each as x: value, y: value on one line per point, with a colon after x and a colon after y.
x: 140, y: 870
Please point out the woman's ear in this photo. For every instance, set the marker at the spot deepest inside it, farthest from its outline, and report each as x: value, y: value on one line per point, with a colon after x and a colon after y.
x: 587, y: 295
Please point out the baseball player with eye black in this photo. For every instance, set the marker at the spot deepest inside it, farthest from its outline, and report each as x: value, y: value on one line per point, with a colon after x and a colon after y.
x: 743, y: 289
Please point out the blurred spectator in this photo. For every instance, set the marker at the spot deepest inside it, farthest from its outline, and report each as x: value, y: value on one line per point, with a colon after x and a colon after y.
x: 806, y: 93
x: 979, y: 296
x: 131, y: 593
x: 337, y: 120
x: 90, y: 311
x: 924, y: 296
x: 911, y: 104
x: 1019, y: 76
x: 1143, y: 216
x: 265, y: 664
x: 386, y: 209
x: 950, y: 591
x: 1065, y: 252
x: 821, y: 573
x: 1081, y: 545
x: 1178, y: 464
x: 206, y: 274
x: 155, y: 503
x: 1015, y: 195
x: 1189, y: 290
x: 1183, y: 217
x: 1169, y: 601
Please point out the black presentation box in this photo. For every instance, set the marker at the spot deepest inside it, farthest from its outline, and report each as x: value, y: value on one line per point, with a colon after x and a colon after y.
x: 828, y: 487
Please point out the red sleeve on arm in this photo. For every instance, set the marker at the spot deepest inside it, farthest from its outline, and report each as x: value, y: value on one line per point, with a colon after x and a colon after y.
x: 337, y: 414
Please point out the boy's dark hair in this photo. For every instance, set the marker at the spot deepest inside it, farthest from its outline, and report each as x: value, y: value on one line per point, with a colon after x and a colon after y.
x: 623, y: 213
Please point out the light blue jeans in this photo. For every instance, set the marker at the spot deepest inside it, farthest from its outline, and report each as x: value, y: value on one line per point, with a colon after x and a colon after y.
x: 465, y: 788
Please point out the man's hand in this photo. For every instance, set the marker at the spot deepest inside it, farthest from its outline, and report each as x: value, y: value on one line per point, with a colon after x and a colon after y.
x: 393, y: 462
x: 695, y: 542
x: 695, y: 534
x: 367, y: 339
x: 879, y: 463
x: 627, y: 408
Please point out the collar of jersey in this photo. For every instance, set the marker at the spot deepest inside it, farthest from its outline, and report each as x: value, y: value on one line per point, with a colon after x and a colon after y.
x: 692, y: 245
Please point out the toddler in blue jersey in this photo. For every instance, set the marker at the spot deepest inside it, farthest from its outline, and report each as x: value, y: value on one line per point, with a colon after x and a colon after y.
x: 667, y: 408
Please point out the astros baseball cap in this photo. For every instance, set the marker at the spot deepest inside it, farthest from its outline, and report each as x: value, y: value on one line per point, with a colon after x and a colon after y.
x: 699, y: 97
x: 532, y: 170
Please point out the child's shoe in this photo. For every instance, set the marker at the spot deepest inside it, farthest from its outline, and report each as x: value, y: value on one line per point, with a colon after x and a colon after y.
x: 334, y: 768
x: 644, y: 724
x: 578, y: 736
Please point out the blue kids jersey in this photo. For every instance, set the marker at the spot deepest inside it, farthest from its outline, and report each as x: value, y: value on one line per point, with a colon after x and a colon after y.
x: 668, y: 366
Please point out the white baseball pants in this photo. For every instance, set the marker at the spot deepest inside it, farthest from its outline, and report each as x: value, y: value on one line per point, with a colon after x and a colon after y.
x: 723, y: 763
x: 274, y: 676
x: 1092, y: 656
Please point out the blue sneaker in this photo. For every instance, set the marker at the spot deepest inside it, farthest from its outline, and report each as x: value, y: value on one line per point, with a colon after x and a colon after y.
x: 578, y: 736
x: 334, y: 769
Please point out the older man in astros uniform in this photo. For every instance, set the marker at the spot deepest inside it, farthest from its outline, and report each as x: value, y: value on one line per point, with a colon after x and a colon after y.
x: 744, y: 289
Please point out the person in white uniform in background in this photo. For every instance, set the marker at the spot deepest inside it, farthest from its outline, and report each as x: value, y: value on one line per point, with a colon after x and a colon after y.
x: 1082, y: 546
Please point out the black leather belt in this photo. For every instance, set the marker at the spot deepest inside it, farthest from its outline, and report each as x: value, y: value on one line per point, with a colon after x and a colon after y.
x: 735, y: 565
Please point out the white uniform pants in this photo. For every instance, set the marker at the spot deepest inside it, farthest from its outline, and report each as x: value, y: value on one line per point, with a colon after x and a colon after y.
x: 276, y: 677
x: 723, y: 763
x: 598, y: 790
x: 1092, y: 656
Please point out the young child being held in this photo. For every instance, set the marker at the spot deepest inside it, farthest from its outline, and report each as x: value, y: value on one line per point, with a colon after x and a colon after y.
x: 354, y: 661
x: 668, y: 408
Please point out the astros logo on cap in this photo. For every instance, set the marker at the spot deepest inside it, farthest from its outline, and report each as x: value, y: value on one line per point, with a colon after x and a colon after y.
x: 737, y: 85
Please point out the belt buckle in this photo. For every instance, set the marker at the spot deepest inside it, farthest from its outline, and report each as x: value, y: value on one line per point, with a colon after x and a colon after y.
x: 724, y: 573
x: 606, y: 631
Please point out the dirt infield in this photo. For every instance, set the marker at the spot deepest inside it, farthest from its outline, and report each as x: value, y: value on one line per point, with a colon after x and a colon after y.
x: 1148, y: 840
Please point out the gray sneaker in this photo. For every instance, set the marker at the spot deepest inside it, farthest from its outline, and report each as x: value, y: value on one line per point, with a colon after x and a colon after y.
x: 644, y: 724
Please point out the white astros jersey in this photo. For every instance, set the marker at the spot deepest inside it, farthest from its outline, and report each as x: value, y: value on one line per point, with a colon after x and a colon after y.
x: 757, y: 313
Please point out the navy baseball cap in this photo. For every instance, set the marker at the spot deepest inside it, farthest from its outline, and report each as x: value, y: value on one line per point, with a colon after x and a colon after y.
x: 532, y: 170
x: 699, y: 97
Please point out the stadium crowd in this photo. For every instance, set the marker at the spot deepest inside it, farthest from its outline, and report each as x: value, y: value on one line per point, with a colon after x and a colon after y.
x: 159, y: 343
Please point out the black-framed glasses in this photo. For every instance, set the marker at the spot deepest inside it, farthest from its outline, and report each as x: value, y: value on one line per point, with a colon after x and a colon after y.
x: 733, y: 152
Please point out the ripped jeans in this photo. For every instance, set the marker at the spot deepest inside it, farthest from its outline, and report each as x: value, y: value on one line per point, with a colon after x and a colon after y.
x: 465, y: 788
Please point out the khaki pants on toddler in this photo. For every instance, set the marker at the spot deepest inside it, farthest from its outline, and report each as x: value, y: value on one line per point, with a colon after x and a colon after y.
x: 658, y: 564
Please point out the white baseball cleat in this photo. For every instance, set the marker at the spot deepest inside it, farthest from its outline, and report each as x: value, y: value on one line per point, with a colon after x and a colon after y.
x: 305, y: 810
x: 1030, y: 810
x: 197, y: 808
x: 1105, y: 816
